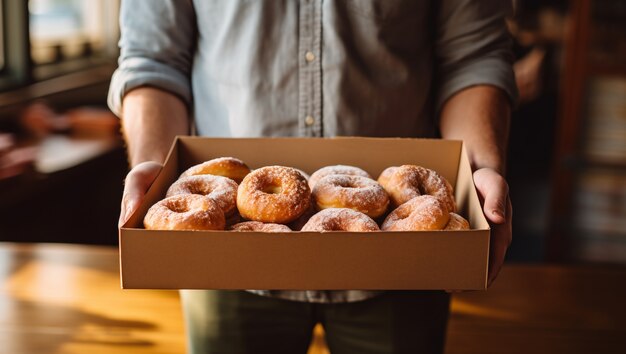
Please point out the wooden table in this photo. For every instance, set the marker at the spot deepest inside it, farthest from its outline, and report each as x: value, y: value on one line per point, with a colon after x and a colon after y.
x: 66, y: 299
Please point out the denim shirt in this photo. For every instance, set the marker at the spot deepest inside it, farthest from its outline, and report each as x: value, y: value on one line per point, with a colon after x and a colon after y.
x: 313, y: 68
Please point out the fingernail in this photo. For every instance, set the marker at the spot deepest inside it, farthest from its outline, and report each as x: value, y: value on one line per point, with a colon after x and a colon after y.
x: 497, y: 212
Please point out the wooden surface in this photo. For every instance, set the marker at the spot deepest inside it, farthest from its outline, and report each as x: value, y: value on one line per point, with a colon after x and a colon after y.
x: 66, y: 299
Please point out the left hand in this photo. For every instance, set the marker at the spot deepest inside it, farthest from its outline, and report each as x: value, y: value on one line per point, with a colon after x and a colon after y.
x: 494, y: 193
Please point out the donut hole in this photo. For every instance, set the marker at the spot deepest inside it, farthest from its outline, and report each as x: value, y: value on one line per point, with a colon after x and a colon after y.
x: 347, y: 184
x: 403, y: 213
x: 197, y: 189
x: 178, y: 206
x: 272, y: 189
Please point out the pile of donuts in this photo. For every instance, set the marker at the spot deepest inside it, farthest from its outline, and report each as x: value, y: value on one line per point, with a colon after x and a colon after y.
x: 225, y: 194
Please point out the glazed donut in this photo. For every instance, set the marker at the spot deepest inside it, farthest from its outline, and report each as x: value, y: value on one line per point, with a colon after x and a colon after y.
x: 185, y: 212
x: 457, y: 222
x: 408, y: 181
x: 423, y: 212
x: 260, y: 227
x: 340, y: 219
x: 221, y: 189
x: 353, y: 192
x: 230, y: 167
x: 273, y: 194
x: 336, y: 170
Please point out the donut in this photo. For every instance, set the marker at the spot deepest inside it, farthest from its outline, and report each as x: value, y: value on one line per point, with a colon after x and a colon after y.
x: 408, y: 181
x: 221, y: 189
x: 185, y: 212
x: 457, y: 222
x: 340, y: 219
x: 336, y: 170
x: 275, y: 194
x: 354, y: 192
x: 259, y: 227
x: 230, y: 167
x: 423, y: 212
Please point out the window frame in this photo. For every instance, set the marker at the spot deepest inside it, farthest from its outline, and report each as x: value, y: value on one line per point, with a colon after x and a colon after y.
x: 20, y: 71
x: 16, y: 47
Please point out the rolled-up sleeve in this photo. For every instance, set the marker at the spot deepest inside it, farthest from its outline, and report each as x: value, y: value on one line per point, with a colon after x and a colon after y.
x: 157, y: 44
x: 474, y: 47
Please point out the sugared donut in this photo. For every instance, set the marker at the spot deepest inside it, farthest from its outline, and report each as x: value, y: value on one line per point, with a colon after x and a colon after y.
x: 185, y: 212
x: 260, y: 227
x: 221, y: 189
x: 273, y: 194
x: 420, y: 213
x: 340, y: 219
x: 408, y: 181
x: 457, y: 222
x: 336, y: 170
x: 354, y: 192
x: 230, y: 167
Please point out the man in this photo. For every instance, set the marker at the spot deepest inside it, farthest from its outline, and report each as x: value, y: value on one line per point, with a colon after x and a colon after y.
x: 317, y: 68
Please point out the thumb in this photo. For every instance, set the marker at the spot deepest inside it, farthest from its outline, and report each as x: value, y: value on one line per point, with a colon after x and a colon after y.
x: 494, y: 191
x: 137, y: 182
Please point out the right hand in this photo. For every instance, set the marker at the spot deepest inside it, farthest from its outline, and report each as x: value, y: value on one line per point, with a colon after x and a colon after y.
x: 137, y: 182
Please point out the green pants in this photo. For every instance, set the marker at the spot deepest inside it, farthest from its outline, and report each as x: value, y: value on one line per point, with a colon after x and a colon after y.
x: 240, y: 322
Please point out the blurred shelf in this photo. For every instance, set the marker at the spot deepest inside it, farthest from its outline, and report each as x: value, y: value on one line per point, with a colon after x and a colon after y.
x: 589, y: 198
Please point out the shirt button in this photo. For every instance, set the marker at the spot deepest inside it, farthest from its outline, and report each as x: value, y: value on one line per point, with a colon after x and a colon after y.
x: 309, y: 120
x: 309, y: 56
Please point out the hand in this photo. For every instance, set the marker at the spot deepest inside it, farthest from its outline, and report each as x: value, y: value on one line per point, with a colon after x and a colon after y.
x: 494, y: 193
x: 137, y: 182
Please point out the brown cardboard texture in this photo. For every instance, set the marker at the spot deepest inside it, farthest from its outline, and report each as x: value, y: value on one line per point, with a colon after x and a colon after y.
x: 309, y: 260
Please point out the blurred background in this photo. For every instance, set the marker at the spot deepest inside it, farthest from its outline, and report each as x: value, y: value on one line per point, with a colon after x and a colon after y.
x: 62, y: 164
x: 62, y: 160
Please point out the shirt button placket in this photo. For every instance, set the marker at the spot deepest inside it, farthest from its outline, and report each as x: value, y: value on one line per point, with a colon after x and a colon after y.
x: 309, y: 68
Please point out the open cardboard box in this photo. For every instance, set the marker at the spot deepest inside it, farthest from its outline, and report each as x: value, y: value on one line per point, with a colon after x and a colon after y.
x: 153, y: 259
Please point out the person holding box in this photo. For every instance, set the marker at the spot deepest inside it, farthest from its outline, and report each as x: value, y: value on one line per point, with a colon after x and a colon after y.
x: 318, y: 68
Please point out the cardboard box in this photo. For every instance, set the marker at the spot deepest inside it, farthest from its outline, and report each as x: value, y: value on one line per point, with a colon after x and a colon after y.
x: 307, y: 260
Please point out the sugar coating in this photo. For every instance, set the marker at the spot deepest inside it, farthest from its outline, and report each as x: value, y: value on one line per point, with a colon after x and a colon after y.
x: 340, y: 219
x: 336, y: 170
x: 229, y: 167
x: 289, y: 202
x: 457, y: 222
x: 423, y: 212
x: 406, y: 182
x: 221, y: 189
x: 354, y: 192
x: 185, y: 212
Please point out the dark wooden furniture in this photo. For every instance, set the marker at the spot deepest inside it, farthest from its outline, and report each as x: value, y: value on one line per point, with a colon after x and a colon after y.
x: 589, y: 176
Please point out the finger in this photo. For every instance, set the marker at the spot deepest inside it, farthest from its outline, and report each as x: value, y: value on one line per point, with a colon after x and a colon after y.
x: 494, y: 191
x: 137, y: 182
x: 500, y: 242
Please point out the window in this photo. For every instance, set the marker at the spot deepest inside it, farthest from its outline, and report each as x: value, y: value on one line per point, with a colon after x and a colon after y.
x: 1, y: 36
x: 51, y: 38
x: 69, y: 29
